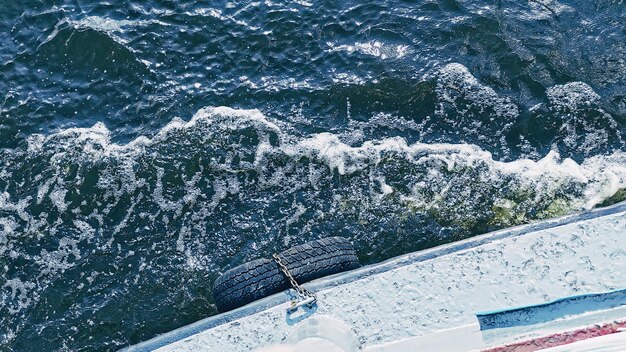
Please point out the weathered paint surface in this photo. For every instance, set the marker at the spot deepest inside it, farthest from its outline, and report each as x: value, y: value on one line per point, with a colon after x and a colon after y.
x: 607, y: 343
x: 561, y: 339
x: 446, y: 291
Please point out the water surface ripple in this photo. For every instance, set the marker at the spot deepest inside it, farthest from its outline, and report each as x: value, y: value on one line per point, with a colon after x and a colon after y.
x: 147, y: 146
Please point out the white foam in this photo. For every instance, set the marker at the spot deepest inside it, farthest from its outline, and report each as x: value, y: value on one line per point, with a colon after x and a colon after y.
x: 86, y: 230
x: 57, y: 196
x: 7, y: 228
x: 18, y: 207
x: 573, y: 96
x: 59, y: 260
x: 584, y: 126
x: 455, y: 79
x: 21, y: 295
x: 95, y: 142
x: 455, y: 182
x: 601, y: 175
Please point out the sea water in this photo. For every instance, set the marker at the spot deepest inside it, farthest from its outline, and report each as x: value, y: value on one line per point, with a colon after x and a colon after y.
x: 147, y: 146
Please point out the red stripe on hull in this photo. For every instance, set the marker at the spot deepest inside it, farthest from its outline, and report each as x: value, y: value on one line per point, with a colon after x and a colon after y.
x: 562, y: 338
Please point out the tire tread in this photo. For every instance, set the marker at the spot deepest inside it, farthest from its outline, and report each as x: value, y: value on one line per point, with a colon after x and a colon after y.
x: 262, y: 277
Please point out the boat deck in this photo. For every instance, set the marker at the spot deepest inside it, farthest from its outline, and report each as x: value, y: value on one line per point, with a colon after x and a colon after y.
x: 418, y: 298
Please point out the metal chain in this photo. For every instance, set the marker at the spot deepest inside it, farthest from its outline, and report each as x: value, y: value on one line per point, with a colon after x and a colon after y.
x: 302, y: 292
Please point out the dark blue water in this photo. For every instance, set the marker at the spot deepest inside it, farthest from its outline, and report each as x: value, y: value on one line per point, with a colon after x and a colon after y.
x: 146, y: 147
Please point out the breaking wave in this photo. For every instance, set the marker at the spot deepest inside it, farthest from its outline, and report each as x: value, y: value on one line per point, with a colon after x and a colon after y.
x: 230, y: 185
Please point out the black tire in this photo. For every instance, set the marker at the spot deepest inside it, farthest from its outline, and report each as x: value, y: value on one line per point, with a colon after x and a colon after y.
x: 260, y: 278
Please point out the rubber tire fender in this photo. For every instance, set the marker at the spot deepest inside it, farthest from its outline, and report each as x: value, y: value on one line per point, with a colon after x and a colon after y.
x: 262, y: 277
